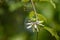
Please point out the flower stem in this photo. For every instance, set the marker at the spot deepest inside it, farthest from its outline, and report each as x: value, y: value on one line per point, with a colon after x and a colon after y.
x: 53, y: 3
x: 35, y: 16
x: 34, y: 8
x: 36, y: 35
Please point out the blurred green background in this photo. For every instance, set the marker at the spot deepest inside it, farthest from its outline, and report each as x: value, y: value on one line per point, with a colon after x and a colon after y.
x: 14, y: 12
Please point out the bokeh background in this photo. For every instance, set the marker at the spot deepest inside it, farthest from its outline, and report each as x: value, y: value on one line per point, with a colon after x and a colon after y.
x: 14, y: 12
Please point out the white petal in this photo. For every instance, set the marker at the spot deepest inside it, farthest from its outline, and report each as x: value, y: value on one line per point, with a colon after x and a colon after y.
x: 41, y: 21
x: 28, y: 23
x: 38, y: 22
x: 41, y: 24
x: 37, y: 30
x: 33, y: 30
x: 29, y: 26
x: 35, y: 26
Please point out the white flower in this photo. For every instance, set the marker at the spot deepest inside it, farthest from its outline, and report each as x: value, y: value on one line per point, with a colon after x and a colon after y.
x: 34, y: 25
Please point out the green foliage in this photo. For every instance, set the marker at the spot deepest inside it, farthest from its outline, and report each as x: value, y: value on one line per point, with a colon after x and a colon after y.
x: 25, y: 1
x: 46, y: 9
x: 53, y: 32
x: 15, y: 6
x: 39, y: 16
x: 14, y: 12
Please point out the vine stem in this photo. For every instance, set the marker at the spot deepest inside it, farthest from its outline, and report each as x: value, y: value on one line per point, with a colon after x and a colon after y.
x: 53, y: 3
x: 35, y: 15
x: 37, y: 35
x: 34, y: 8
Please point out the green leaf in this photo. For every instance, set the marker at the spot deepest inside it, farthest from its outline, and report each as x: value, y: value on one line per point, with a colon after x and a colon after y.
x: 44, y: 35
x: 46, y: 9
x: 21, y: 36
x: 25, y: 1
x: 39, y: 16
x: 14, y: 6
x: 44, y: 0
x: 56, y: 1
x: 53, y: 32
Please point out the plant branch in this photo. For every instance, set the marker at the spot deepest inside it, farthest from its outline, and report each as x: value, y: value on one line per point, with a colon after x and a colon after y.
x: 37, y: 36
x: 34, y: 8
